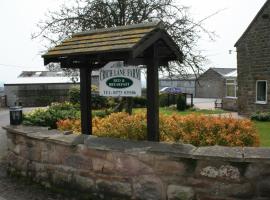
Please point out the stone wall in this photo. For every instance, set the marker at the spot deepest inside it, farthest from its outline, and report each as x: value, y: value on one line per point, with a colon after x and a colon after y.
x: 104, y: 168
x: 229, y: 104
x: 210, y: 85
x: 253, y: 63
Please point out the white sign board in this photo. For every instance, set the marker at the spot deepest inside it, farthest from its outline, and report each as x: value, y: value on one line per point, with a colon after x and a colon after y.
x: 117, y: 80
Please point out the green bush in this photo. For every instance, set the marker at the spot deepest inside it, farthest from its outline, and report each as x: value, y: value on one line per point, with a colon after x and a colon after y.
x: 166, y: 100
x: 49, y: 116
x: 57, y: 111
x: 261, y: 116
x: 101, y: 113
x: 181, y: 103
x: 74, y: 94
x: 98, y: 102
x: 139, y: 102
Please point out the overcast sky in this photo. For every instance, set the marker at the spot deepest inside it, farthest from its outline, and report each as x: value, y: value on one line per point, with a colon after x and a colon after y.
x: 18, y: 20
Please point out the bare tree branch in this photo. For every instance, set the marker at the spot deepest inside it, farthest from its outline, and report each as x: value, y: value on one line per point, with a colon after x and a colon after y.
x: 84, y: 15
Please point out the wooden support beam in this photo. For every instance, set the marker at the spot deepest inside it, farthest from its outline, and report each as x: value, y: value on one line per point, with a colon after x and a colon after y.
x: 191, y: 97
x: 85, y: 90
x: 152, y: 95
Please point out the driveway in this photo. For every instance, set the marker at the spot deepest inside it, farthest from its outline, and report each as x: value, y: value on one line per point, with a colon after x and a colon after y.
x: 203, y: 103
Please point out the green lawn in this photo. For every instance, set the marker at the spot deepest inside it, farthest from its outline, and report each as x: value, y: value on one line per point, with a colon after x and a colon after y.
x: 264, y: 131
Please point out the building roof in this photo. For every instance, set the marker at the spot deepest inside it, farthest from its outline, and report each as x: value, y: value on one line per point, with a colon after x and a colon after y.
x: 232, y: 74
x: 44, y: 77
x: 39, y: 80
x: 99, y: 45
x: 223, y: 71
x: 41, y: 74
x: 267, y: 3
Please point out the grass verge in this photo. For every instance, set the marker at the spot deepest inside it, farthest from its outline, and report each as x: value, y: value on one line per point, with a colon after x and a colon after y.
x: 264, y: 132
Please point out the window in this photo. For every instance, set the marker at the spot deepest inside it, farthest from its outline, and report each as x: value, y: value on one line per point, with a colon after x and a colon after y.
x: 231, y: 88
x: 261, y: 92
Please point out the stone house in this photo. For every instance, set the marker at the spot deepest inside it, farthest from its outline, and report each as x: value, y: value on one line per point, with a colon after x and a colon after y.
x: 40, y: 88
x: 212, y: 83
x: 186, y: 83
x: 253, y: 63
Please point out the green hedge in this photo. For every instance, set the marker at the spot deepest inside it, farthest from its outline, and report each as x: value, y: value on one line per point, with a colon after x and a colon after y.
x: 49, y: 116
x: 261, y: 116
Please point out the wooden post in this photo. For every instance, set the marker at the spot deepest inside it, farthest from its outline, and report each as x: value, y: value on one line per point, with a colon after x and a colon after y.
x: 85, y: 97
x: 191, y: 96
x: 152, y: 95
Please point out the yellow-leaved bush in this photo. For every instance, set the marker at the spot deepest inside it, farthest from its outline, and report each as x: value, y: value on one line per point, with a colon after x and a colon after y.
x: 198, y: 130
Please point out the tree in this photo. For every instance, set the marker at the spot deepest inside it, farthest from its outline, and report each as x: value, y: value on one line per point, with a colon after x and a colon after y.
x: 82, y: 15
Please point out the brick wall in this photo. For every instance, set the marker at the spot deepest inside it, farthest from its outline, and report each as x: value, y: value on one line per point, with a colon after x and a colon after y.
x: 253, y: 62
x: 104, y: 168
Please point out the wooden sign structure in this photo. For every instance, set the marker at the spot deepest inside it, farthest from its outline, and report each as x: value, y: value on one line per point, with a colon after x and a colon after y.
x: 140, y: 44
x: 117, y: 80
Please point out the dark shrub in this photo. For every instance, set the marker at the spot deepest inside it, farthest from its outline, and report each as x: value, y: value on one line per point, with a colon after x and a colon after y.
x: 181, y: 103
x: 139, y: 102
x: 261, y: 116
x: 98, y: 102
x: 166, y: 100
x: 74, y: 94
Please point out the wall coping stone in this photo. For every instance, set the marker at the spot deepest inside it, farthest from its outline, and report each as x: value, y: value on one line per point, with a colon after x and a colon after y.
x: 178, y: 150
x: 220, y: 153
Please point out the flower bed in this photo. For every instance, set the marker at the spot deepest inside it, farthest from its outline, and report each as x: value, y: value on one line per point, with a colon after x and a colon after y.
x: 197, y: 130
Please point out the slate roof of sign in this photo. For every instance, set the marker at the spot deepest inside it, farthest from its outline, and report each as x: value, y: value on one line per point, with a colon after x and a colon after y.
x: 118, y: 39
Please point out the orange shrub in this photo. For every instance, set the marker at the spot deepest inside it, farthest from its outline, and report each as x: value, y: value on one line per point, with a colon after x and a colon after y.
x: 198, y: 130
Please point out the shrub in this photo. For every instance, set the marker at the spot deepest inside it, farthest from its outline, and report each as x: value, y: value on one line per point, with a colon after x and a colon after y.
x: 166, y: 100
x: 49, y: 116
x: 261, y: 116
x: 193, y: 129
x: 74, y: 94
x: 139, y: 102
x: 97, y: 101
x: 101, y: 113
x: 181, y: 103
x: 57, y: 111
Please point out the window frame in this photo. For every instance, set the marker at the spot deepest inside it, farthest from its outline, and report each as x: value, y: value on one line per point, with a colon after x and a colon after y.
x: 266, y: 89
x: 235, y: 88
